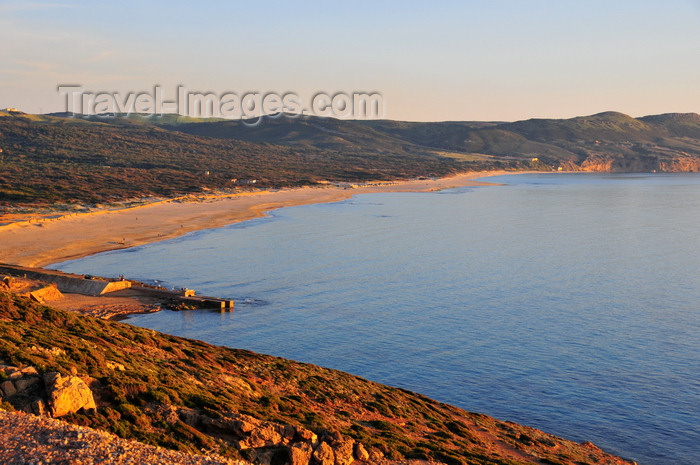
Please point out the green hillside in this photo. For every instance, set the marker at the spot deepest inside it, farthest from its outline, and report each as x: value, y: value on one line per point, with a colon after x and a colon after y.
x: 51, y: 159
x: 608, y: 141
x: 55, y: 158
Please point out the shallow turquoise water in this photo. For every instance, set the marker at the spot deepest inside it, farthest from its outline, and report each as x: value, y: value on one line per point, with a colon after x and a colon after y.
x: 566, y: 302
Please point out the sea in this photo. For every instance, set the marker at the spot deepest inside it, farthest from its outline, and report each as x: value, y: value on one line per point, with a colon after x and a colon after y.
x: 568, y: 302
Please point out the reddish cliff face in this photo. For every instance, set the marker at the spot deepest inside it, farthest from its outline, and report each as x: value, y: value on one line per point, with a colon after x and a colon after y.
x: 640, y: 164
x: 681, y: 165
x: 598, y: 163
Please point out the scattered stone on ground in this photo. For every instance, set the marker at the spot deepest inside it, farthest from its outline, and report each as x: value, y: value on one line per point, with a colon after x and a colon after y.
x: 29, y: 439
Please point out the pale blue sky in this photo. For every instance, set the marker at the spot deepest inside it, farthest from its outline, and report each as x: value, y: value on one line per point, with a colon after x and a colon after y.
x: 431, y: 61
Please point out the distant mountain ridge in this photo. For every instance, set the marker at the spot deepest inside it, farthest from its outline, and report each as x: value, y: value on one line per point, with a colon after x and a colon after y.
x: 58, y: 158
x: 608, y: 141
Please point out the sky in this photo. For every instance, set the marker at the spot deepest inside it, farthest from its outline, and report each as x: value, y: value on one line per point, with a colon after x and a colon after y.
x: 491, y: 60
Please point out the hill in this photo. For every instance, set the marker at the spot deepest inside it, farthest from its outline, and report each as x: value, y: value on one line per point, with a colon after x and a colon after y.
x: 52, y: 159
x: 608, y: 141
x: 191, y: 396
x: 59, y: 159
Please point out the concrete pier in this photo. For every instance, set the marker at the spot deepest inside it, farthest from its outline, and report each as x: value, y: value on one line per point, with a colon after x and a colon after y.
x: 96, y: 286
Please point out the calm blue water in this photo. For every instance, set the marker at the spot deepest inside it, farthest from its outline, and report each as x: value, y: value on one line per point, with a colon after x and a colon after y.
x: 566, y: 302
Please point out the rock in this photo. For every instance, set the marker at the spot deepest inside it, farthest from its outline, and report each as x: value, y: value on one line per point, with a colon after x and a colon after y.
x: 265, y: 435
x: 236, y: 424
x: 39, y: 408
x: 306, y: 435
x: 56, y: 351
x: 169, y: 414
x: 323, y: 455
x: 590, y: 445
x: 262, y: 457
x: 361, y: 453
x: 67, y: 394
x: 300, y: 453
x: 189, y: 416
x: 375, y: 455
x: 344, y: 451
x: 8, y: 388
x: 252, y: 433
x: 28, y: 371
x: 115, y: 366
x: 245, y: 423
x: 23, y: 384
x: 271, y: 456
x: 288, y: 432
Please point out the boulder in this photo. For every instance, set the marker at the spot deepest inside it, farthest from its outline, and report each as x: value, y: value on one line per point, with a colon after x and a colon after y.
x: 39, y: 408
x: 189, y: 416
x: 590, y: 445
x: 245, y: 424
x: 344, y: 451
x: 252, y: 433
x: 265, y: 435
x: 262, y: 456
x: 8, y: 389
x: 375, y: 455
x: 300, y: 453
x: 114, y: 366
x: 288, y: 432
x: 236, y: 424
x: 67, y: 394
x: 25, y: 383
x: 361, y: 453
x: 323, y: 455
x: 28, y: 371
x: 306, y: 435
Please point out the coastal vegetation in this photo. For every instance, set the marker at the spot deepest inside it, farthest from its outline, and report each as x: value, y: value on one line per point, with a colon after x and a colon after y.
x: 191, y: 396
x: 50, y: 159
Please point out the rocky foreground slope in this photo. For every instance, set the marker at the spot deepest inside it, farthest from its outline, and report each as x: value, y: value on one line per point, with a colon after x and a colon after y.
x: 30, y: 439
x: 194, y: 397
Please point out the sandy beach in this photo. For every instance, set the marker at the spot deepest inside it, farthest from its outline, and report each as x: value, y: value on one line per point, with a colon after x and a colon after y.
x: 41, y: 241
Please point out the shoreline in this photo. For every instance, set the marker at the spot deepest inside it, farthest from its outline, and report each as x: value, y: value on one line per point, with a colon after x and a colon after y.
x: 41, y: 242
